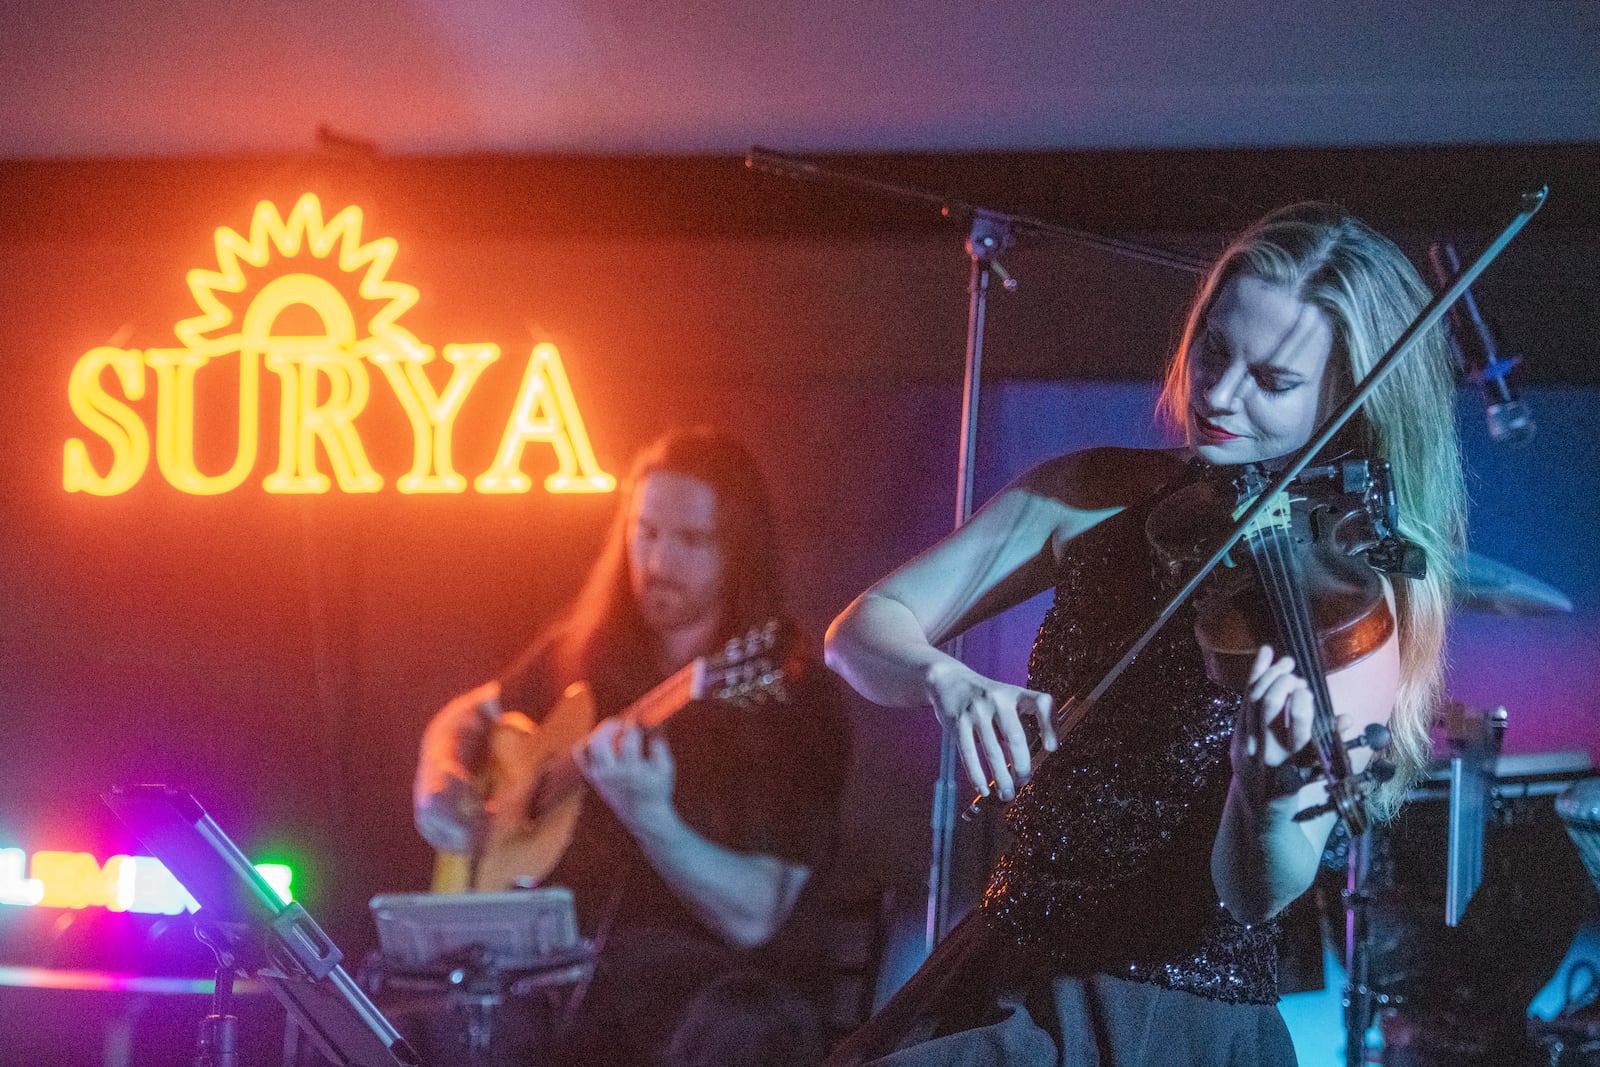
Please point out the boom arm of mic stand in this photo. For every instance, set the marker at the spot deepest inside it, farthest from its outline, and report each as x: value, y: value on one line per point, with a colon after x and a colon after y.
x: 793, y: 166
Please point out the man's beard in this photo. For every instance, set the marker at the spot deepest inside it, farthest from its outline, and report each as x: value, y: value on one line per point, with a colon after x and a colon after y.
x: 666, y: 606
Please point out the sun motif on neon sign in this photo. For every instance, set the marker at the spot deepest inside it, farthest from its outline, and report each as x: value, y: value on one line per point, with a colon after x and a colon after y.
x: 324, y: 377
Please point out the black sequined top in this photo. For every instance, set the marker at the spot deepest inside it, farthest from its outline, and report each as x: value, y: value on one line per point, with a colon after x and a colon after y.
x: 1110, y: 869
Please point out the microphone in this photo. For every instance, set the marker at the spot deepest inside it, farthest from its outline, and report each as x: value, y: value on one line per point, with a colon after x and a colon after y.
x: 1477, y: 355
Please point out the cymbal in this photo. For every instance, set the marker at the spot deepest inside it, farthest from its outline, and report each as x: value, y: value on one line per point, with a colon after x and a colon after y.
x: 1499, y: 589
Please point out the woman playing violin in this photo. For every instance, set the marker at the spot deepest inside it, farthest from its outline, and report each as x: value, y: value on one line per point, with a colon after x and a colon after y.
x: 1132, y: 920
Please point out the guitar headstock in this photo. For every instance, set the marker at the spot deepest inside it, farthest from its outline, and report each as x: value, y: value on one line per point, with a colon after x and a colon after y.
x: 750, y: 669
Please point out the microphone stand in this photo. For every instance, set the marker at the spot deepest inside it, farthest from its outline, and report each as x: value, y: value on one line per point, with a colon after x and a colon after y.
x: 990, y: 236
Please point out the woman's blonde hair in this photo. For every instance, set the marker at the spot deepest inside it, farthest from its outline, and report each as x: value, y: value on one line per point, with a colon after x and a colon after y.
x: 1370, y: 293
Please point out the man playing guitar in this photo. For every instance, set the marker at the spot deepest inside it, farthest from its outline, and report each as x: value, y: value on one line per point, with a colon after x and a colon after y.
x: 696, y: 841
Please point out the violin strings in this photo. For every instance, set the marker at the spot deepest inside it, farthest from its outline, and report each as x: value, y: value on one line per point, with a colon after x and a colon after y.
x: 1309, y: 655
x: 1286, y: 596
x: 1312, y: 670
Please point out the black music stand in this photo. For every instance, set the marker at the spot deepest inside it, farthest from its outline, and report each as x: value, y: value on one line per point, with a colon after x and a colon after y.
x: 253, y: 933
x: 481, y: 950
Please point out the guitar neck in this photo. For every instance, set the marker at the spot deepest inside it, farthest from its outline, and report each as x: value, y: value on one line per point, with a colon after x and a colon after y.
x: 668, y: 698
x: 562, y: 776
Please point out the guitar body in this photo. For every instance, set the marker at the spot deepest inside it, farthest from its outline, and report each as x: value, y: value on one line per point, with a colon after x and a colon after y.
x: 525, y: 760
x: 534, y: 790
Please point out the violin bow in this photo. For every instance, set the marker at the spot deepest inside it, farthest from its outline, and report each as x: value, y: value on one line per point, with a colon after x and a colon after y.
x: 1075, y: 709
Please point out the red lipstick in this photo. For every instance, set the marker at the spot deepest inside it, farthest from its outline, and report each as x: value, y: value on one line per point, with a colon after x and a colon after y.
x: 1211, y: 431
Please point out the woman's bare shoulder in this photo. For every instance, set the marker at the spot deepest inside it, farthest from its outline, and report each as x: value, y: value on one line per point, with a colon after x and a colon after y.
x: 1103, y: 479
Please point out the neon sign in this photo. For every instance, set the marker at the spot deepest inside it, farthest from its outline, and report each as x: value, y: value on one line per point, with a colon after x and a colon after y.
x: 139, y: 884
x: 323, y: 378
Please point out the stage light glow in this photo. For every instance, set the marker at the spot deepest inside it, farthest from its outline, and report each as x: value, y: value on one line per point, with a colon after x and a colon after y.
x: 75, y: 879
x: 111, y: 982
x: 15, y: 887
x: 156, y: 891
x: 280, y: 877
x: 324, y: 380
x: 98, y: 981
x: 138, y: 884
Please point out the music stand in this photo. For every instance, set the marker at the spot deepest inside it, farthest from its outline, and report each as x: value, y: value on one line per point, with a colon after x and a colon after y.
x: 519, y: 929
x: 481, y: 949
x: 253, y: 933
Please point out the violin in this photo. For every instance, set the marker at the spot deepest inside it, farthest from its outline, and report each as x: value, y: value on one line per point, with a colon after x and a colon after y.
x: 1304, y: 578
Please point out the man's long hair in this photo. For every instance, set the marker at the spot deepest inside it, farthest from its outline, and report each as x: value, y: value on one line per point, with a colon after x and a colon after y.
x: 602, y: 627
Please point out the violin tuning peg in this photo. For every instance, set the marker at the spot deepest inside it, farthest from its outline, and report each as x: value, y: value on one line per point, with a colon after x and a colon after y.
x: 1377, y: 772
x: 1375, y: 736
x: 1307, y: 814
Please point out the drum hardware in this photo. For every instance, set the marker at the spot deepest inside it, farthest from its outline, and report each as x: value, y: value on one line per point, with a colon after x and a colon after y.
x: 1512, y: 893
x: 1572, y: 1038
x: 1475, y: 741
x: 1567, y: 1042
x: 1474, y: 737
x: 1579, y: 808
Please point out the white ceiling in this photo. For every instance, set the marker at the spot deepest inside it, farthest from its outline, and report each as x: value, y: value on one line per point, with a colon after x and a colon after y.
x: 181, y: 77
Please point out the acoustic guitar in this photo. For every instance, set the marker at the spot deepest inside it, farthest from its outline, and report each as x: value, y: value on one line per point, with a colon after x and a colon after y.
x: 533, y: 785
